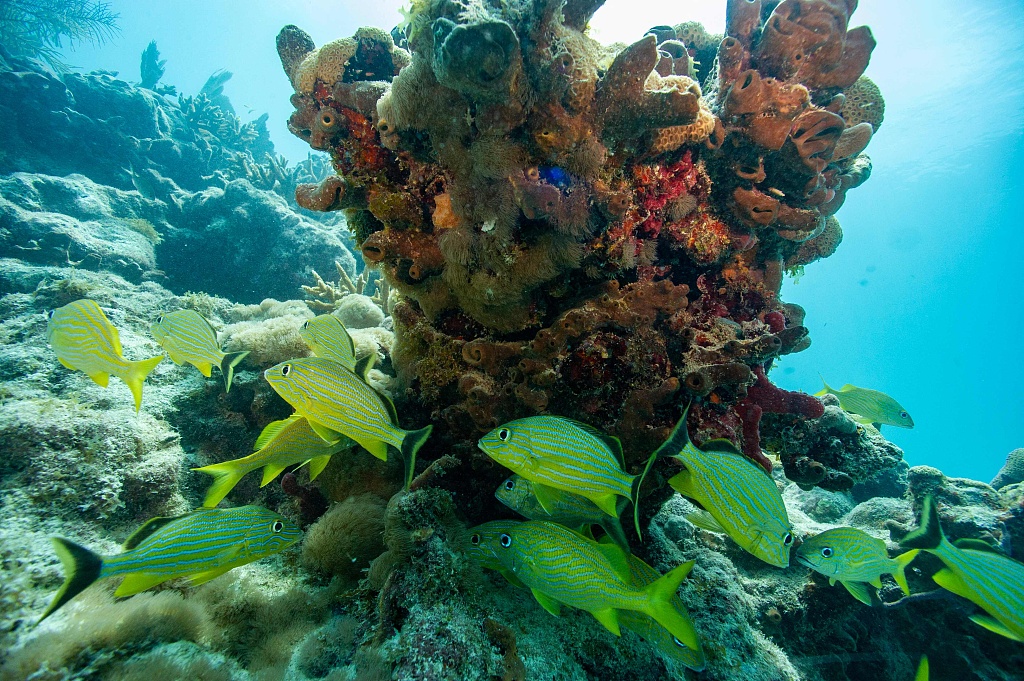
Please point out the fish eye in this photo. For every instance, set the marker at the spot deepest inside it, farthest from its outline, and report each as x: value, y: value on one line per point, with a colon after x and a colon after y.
x: 286, y: 369
x: 510, y: 485
x: 49, y: 315
x: 305, y: 324
x: 678, y: 642
x: 474, y: 540
x: 788, y: 539
x: 506, y: 541
x: 504, y: 434
x: 160, y: 319
x: 904, y: 415
x: 277, y: 526
x: 826, y: 551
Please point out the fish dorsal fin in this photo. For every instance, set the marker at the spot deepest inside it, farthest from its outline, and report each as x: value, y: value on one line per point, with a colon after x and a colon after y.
x: 613, y: 443
x: 548, y: 603
x: 363, y: 366
x: 976, y: 545
x: 721, y: 445
x: 147, y: 529
x: 619, y: 561
x: 115, y: 339
x: 210, y: 327
x: 847, y: 387
x: 389, y: 406
x: 272, y: 430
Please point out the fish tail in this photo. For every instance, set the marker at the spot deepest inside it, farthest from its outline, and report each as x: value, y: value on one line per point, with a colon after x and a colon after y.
x: 136, y: 374
x: 411, y: 444
x: 929, y: 535
x: 634, y: 493
x: 900, y: 575
x: 676, y: 442
x: 227, y: 367
x: 659, y: 606
x: 82, y: 567
x: 225, y: 476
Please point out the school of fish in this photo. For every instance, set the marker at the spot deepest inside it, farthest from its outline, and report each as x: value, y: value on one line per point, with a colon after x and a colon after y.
x: 567, y: 478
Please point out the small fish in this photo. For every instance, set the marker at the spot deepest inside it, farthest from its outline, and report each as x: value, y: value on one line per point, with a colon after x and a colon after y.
x: 327, y: 337
x: 562, y: 454
x: 202, y: 545
x: 855, y: 559
x: 922, y: 669
x: 873, y: 406
x: 561, y: 567
x: 281, y: 444
x: 338, y: 403
x: 188, y: 337
x: 975, y: 571
x: 85, y: 340
x: 735, y: 491
x: 564, y: 508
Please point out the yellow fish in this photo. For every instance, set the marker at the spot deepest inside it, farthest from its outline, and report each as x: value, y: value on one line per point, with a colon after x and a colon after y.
x: 281, y: 444
x: 855, y: 559
x: 85, y: 340
x: 338, y: 403
x: 871, y: 405
x: 327, y: 337
x: 201, y: 545
x: 975, y: 571
x: 188, y: 337
x: 737, y: 493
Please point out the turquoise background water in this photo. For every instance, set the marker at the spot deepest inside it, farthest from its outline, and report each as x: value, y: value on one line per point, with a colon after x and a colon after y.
x: 923, y: 300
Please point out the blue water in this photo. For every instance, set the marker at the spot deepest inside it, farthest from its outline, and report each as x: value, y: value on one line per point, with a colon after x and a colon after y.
x: 923, y: 299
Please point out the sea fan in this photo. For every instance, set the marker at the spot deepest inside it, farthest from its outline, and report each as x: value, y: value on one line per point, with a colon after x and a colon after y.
x: 36, y: 28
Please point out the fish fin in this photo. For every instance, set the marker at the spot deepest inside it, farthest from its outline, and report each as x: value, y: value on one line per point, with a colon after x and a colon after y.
x: 994, y: 626
x: 317, y: 465
x: 634, y: 495
x: 929, y: 534
x: 706, y: 521
x: 950, y: 581
x: 363, y: 366
x: 227, y: 367
x: 847, y: 387
x: 899, y: 574
x: 832, y: 581
x: 411, y: 444
x: 271, y: 471
x: 225, y: 476
x: 115, y: 337
x: 511, y: 578
x: 682, y: 482
x: 136, y: 374
x: 203, y: 577
x: 613, y: 443
x: 922, y: 669
x: 548, y: 603
x: 660, y: 595
x: 678, y: 440
x: 721, y: 445
x: 146, y: 529
x: 824, y: 391
x: 175, y: 356
x: 607, y: 503
x: 82, y: 567
x: 378, y: 448
x: 138, y: 582
x: 205, y: 368
x: 609, y: 617
x: 545, y: 497
x: 617, y: 558
x: 65, y: 364
x: 272, y: 430
x: 331, y: 436
x: 877, y: 426
x: 976, y: 545
x: 876, y: 582
x: 614, y: 532
x: 101, y: 378
x: 388, y: 405
x: 859, y: 590
x: 587, y: 531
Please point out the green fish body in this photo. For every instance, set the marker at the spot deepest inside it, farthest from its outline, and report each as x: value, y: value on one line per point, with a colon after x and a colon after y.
x: 557, y: 453
x: 649, y: 630
x: 186, y: 336
x: 738, y: 494
x: 855, y: 559
x: 201, y: 545
x: 561, y: 567
x: 872, y: 405
x: 328, y: 338
x: 564, y: 508
x: 338, y: 403
x: 281, y: 444
x: 990, y: 580
x: 85, y: 340
x: 482, y: 547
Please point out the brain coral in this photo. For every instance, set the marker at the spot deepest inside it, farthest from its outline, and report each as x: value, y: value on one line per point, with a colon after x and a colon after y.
x: 596, y: 232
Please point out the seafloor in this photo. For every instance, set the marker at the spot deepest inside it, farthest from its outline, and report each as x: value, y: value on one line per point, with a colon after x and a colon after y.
x: 595, y: 232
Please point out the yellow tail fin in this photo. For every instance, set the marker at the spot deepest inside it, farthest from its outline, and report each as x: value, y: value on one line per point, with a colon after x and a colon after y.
x: 902, y: 561
x: 225, y: 476
x: 660, y: 607
x: 136, y: 374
